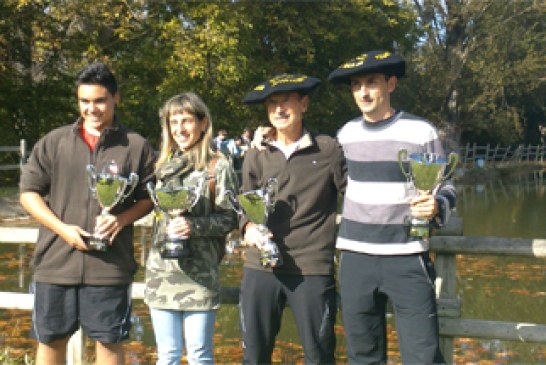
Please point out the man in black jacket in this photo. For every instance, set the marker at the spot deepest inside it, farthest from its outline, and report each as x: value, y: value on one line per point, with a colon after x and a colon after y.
x: 73, y: 284
x: 311, y: 174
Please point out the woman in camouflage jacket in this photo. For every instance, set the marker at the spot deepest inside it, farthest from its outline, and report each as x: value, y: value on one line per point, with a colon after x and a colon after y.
x: 183, y: 293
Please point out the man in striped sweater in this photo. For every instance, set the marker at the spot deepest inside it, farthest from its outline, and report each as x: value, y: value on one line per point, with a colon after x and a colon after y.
x: 379, y: 259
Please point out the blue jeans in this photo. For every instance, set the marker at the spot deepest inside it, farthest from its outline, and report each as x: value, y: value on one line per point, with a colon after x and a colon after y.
x: 172, y: 327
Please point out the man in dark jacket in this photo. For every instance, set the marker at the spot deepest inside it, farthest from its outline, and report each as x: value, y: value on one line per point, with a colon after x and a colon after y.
x: 311, y: 174
x: 73, y: 284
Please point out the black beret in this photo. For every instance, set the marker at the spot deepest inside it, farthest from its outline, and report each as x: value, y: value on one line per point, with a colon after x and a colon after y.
x: 281, y: 84
x: 379, y: 61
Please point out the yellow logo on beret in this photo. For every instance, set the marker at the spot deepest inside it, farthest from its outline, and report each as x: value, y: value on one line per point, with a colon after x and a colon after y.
x: 355, y: 62
x: 287, y: 79
x: 382, y: 56
x: 259, y: 87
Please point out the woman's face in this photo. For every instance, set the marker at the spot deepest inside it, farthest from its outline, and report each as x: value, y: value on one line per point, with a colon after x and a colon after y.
x: 186, y: 129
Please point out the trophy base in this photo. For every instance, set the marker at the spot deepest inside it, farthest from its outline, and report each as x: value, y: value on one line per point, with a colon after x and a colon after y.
x: 420, y: 228
x: 98, y: 244
x: 270, y: 256
x: 269, y: 261
x: 175, y: 249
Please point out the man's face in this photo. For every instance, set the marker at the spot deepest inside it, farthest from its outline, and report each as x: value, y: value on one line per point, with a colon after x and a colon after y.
x: 285, y: 110
x: 96, y: 106
x: 372, y: 94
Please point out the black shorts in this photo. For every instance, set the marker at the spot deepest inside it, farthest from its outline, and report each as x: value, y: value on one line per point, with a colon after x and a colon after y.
x: 104, y: 312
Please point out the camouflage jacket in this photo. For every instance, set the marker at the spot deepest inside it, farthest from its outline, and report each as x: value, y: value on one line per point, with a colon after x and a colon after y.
x: 191, y: 283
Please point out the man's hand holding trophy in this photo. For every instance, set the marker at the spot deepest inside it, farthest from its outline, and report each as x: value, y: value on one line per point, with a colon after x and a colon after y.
x: 109, y: 188
x: 427, y: 172
x: 256, y: 205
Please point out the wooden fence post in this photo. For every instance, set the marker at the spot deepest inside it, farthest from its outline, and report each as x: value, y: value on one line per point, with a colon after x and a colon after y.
x: 446, y: 288
x: 506, y: 153
x: 23, y: 152
x: 446, y: 282
x: 76, y: 349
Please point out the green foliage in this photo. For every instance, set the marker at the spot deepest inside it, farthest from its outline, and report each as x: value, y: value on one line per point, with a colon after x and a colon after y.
x: 472, y: 64
x: 479, y: 67
x: 8, y: 191
x: 220, y: 49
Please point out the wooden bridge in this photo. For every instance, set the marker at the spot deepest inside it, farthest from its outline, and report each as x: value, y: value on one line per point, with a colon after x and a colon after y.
x: 473, y: 155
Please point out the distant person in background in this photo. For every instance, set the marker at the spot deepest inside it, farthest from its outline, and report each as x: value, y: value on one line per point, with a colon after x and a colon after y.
x: 230, y: 147
x: 246, y: 139
x: 237, y: 152
x: 379, y: 259
x: 73, y: 285
x: 219, y: 139
x: 184, y: 293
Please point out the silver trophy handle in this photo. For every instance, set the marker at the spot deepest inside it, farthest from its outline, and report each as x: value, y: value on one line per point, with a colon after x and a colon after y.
x: 132, y: 182
x: 92, y: 179
x: 403, y: 156
x: 124, y: 184
x: 271, y: 189
x: 232, y: 201
x: 452, y: 161
x: 151, y: 191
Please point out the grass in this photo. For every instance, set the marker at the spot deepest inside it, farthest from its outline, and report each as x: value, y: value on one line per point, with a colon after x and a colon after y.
x: 8, y: 191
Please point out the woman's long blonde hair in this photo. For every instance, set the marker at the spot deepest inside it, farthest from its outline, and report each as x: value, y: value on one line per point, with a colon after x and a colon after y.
x: 201, y: 152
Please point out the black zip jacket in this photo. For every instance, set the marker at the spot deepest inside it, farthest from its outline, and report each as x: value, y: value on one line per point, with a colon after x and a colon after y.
x: 56, y: 170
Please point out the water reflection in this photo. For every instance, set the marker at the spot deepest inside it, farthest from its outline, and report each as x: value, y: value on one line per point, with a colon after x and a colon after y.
x: 513, y: 208
x: 504, y: 288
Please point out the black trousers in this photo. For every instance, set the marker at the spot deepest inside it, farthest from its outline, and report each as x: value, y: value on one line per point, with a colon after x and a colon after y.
x: 408, y: 280
x: 312, y: 299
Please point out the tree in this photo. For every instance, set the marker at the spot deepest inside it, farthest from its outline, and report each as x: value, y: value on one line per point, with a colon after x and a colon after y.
x: 477, y: 62
x: 219, y: 49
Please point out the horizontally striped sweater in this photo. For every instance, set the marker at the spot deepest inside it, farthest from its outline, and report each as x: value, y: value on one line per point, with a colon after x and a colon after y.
x: 376, y: 207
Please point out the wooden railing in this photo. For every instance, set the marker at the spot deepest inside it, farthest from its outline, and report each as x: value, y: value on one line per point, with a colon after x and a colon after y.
x: 23, y: 154
x: 446, y: 244
x: 473, y: 155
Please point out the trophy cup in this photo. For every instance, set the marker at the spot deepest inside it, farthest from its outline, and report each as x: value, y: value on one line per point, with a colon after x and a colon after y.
x: 108, y: 187
x: 256, y: 205
x: 428, y: 172
x: 172, y: 201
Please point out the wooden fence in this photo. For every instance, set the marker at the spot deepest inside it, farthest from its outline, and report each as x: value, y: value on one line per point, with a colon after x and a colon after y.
x: 473, y: 155
x: 446, y: 244
x: 23, y: 154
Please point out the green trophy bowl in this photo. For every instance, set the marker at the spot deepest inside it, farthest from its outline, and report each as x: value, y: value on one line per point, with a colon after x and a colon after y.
x: 109, y: 190
x: 173, y: 201
x: 427, y: 171
x: 256, y: 205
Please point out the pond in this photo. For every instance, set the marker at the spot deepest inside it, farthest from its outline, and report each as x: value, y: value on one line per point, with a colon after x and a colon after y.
x: 491, y: 288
